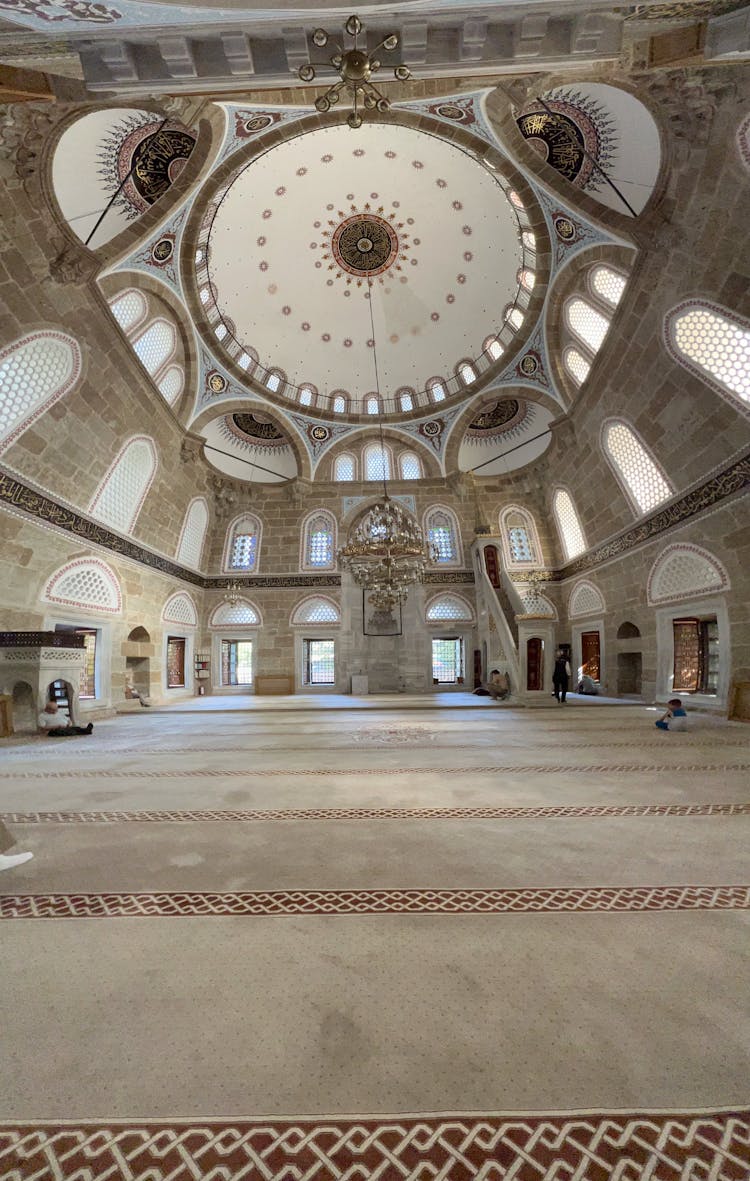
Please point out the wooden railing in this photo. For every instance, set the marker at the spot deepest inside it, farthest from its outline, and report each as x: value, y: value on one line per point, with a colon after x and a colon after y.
x: 41, y: 640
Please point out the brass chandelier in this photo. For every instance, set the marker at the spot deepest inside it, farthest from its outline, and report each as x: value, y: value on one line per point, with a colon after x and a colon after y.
x: 386, y: 554
x: 356, y: 67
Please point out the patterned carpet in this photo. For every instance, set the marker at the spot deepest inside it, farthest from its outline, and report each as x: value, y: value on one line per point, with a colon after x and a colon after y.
x: 462, y: 945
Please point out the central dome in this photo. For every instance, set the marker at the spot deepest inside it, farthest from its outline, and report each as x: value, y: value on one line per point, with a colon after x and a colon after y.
x: 334, y: 252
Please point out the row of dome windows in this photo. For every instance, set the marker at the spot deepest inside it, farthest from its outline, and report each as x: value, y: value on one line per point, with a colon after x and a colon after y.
x: 154, y: 341
x: 587, y: 317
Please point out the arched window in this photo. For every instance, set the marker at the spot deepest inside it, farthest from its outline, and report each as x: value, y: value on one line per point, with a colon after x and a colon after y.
x: 316, y: 609
x: 576, y: 364
x: 585, y: 599
x: 467, y: 372
x: 344, y: 468
x: 171, y: 384
x: 242, y: 549
x: 568, y: 525
x: 180, y: 608
x: 319, y: 542
x: 377, y: 462
x: 193, y: 533
x: 529, y: 240
x: 129, y: 309
x: 607, y: 284
x: 155, y: 346
x: 409, y: 466
x: 645, y: 485
x: 586, y: 323
x: 493, y: 348
x: 405, y: 398
x: 306, y: 395
x: 514, y: 317
x: 240, y: 614
x: 712, y: 343
x: 520, y: 538
x: 34, y: 373
x: 526, y: 278
x: 340, y: 402
x: 436, y: 389
x: 248, y: 360
x: 372, y: 404
x: 685, y: 572
x: 121, y: 493
x: 444, y: 608
x: 86, y: 583
x: 441, y: 530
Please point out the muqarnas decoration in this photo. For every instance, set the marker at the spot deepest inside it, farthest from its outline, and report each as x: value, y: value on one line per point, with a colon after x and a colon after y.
x: 147, y: 155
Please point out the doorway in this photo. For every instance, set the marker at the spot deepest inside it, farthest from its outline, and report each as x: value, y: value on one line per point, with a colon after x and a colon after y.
x: 534, y: 670
x: 590, y: 655
x: 696, y: 655
x: 492, y: 565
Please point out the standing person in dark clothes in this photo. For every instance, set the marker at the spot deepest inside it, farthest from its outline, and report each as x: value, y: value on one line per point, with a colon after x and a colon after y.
x: 561, y: 676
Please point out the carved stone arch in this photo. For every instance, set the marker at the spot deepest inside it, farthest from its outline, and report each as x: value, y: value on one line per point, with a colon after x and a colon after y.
x: 585, y: 599
x: 454, y: 434
x: 209, y: 138
x: 250, y: 405
x: 180, y: 608
x: 242, y: 614
x: 304, y: 612
x: 304, y: 539
x: 684, y: 571
x: 85, y: 584
x: 572, y: 280
x: 161, y: 300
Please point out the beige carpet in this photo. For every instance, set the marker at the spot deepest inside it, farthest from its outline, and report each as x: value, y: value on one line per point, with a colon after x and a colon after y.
x: 378, y: 942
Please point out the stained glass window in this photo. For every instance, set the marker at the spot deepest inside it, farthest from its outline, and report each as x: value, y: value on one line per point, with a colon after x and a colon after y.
x: 467, y: 373
x: 640, y: 474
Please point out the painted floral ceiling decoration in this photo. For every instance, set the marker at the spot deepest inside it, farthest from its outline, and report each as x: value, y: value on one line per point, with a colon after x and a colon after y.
x: 329, y: 255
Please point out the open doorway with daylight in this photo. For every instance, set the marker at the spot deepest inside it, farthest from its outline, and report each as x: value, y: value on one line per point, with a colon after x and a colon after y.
x: 448, y: 661
x: 236, y: 662
x: 696, y: 655
x: 87, y: 689
x: 318, y: 662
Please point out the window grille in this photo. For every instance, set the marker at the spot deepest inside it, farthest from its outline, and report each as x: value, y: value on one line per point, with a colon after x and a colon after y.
x: 125, y: 486
x: 317, y: 611
x: 372, y: 405
x: 640, y: 474
x: 589, y: 325
x: 175, y: 662
x: 514, y: 316
x: 608, y: 285
x: 129, y: 309
x: 576, y: 364
x: 319, y: 542
x: 493, y: 347
x: 467, y: 373
x: 441, y: 533
x: 447, y: 661
x: 319, y: 664
x: 527, y: 278
x: 85, y: 584
x: 170, y: 386
x: 244, y: 551
x: 377, y: 463
x: 411, y: 468
x: 339, y: 404
x: 343, y: 469
x: 34, y: 373
x: 568, y: 525
x: 448, y: 607
x: 407, y: 402
x: 273, y: 382
x: 193, y: 534
x: 305, y: 395
x: 155, y: 346
x: 713, y: 345
x: 220, y: 331
x: 236, y: 662
x: 437, y: 391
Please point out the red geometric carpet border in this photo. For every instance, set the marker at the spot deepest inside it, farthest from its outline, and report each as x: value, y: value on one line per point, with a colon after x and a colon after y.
x: 560, y: 811
x: 181, y: 904
x: 247, y: 772
x: 579, y: 1147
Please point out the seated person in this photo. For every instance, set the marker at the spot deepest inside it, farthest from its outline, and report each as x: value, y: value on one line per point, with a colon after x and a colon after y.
x: 134, y: 694
x: 587, y: 684
x: 52, y: 723
x: 675, y: 718
x: 498, y: 685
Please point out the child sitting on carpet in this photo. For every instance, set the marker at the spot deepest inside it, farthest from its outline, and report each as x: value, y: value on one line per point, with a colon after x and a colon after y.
x: 675, y: 718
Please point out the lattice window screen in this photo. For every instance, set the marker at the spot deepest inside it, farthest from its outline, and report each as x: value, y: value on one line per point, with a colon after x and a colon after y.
x: 585, y: 600
x: 319, y: 548
x: 170, y: 386
x: 448, y: 607
x: 588, y: 324
x: 31, y: 373
x: 682, y: 573
x: 154, y: 346
x: 120, y: 497
x: 520, y: 544
x: 571, y: 533
x: 441, y: 533
x: 194, y: 531
x: 608, y: 285
x: 180, y: 609
x: 317, y: 611
x: 239, y: 614
x: 343, y: 468
x: 129, y: 309
x: 377, y: 463
x: 641, y: 475
x: 576, y: 364
x: 85, y: 586
x: 715, y: 345
x: 411, y: 468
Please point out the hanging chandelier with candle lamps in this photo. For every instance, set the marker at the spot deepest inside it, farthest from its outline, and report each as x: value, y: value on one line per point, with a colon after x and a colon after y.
x: 356, y: 67
x: 386, y: 554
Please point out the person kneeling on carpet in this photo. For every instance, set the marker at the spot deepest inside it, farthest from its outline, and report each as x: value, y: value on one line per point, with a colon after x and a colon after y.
x: 50, y: 719
x: 675, y: 718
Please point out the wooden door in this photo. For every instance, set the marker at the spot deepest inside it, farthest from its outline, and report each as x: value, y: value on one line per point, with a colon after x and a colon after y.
x: 492, y: 564
x: 687, y: 655
x: 591, y: 655
x: 534, y: 670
